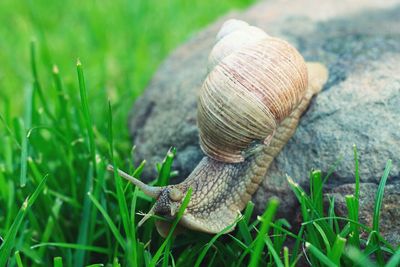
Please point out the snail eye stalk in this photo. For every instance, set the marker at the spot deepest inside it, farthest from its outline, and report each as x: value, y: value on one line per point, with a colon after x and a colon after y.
x: 151, y: 191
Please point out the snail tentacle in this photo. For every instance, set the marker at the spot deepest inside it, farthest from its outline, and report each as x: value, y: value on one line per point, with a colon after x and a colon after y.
x: 151, y: 191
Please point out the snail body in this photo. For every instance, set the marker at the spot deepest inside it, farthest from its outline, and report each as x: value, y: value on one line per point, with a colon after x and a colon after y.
x: 249, y: 106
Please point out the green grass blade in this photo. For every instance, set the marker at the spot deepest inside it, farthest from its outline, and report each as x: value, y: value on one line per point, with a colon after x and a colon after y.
x: 333, y: 223
x: 310, y: 213
x: 72, y: 246
x: 337, y: 250
x: 297, y: 244
x: 279, y: 234
x: 379, y: 196
x: 37, y: 86
x: 259, y: 242
x: 48, y: 231
x: 248, y: 212
x: 357, y: 176
x: 24, y: 138
x: 84, y: 225
x: 165, y: 169
x: 352, y: 210
x: 316, y: 191
x: 378, y: 205
x: 277, y: 261
x: 286, y: 256
x: 123, y: 207
x: 58, y: 262
x: 394, y: 261
x: 9, y: 240
x: 323, y: 236
x: 8, y: 154
x: 212, y: 241
x: 358, y: 258
x: 63, y: 103
x: 138, y: 171
x: 320, y: 255
x: 243, y: 224
x: 18, y: 259
x: 109, y: 221
x: 134, y: 241
x: 10, y: 132
x: 240, y: 243
x: 86, y: 113
x: 167, y: 253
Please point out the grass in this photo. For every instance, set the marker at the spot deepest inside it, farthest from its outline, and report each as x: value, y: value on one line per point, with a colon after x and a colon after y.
x: 59, y: 206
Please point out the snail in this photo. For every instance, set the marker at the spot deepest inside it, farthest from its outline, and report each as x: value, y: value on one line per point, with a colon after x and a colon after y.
x: 249, y: 105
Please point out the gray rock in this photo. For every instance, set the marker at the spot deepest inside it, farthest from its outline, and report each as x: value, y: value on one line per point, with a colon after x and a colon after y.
x: 360, y: 104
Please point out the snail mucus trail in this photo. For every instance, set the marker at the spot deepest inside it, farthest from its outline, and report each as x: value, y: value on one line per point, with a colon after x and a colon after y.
x: 251, y: 101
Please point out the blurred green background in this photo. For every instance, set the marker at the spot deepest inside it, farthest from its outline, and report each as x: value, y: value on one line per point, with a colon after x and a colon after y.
x: 120, y: 44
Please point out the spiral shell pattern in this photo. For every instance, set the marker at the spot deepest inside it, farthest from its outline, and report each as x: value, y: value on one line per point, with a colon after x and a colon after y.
x: 254, y: 81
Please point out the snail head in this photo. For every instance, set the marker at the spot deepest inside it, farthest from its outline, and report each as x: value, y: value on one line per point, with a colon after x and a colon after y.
x: 168, y: 198
x: 168, y: 202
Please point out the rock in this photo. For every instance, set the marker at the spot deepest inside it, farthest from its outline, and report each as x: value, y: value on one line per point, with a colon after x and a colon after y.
x: 360, y: 104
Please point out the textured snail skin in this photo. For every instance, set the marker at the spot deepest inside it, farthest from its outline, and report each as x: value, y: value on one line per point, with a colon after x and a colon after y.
x: 221, y: 190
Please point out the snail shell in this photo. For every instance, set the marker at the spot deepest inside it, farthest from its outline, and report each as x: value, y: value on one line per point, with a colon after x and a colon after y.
x: 254, y: 82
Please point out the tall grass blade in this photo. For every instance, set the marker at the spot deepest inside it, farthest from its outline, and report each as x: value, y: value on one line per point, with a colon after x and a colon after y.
x: 394, y: 261
x: 266, y: 219
x: 37, y: 86
x: 165, y: 169
x: 277, y: 260
x: 86, y: 114
x: 378, y: 205
x: 18, y: 259
x: 84, y: 225
x: 48, y: 230
x: 212, y: 241
x: 286, y: 256
x: 351, y: 202
x: 109, y: 221
x: 316, y: 191
x: 62, y: 101
x: 123, y: 208
x: 58, y: 262
x: 72, y: 246
x: 379, y: 196
x: 9, y: 240
x: 358, y: 258
x: 357, y: 176
x: 320, y: 255
x: 337, y: 250
x: 24, y: 138
x: 243, y: 224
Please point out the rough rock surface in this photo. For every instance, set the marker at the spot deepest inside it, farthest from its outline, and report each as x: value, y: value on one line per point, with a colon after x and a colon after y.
x: 359, y: 41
